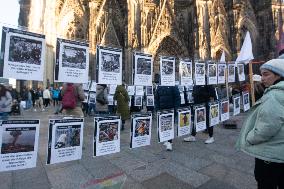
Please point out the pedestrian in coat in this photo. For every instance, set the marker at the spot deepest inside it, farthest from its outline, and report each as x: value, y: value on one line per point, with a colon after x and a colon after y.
x: 262, y: 134
x: 122, y: 98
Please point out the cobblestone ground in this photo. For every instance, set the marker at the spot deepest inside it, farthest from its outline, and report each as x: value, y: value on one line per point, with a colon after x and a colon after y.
x: 189, y: 166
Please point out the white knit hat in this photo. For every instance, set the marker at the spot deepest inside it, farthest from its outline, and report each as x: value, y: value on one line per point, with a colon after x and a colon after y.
x: 275, y: 65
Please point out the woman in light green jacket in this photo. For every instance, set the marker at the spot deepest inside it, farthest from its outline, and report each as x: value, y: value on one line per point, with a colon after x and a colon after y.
x: 262, y: 135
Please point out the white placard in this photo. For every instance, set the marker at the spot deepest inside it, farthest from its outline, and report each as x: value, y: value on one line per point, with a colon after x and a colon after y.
x: 19, y: 144
x: 184, y: 122
x: 199, y: 73
x: 138, y: 101
x: 214, y: 116
x: 112, y: 89
x: 225, y: 110
x: 24, y: 54
x: 110, y: 100
x: 165, y: 126
x: 150, y: 101
x: 109, y: 64
x: 143, y: 66
x: 92, y: 97
x: 231, y: 73
x: 141, y: 131
x: 139, y: 90
x: 107, y: 137
x: 241, y: 72
x: 200, y: 118
x: 237, y: 105
x: 131, y: 90
x: 221, y: 73
x: 149, y: 90
x: 185, y: 70
x: 65, y: 140
x: 246, y: 101
x: 72, y: 61
x: 212, y: 73
x: 167, y: 71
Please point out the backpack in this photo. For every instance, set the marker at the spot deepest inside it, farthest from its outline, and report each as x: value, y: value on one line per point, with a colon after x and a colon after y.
x: 100, y: 98
x: 69, y: 100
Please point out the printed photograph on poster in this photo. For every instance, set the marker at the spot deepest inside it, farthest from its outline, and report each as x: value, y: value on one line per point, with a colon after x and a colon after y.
x: 149, y: 90
x: 241, y: 72
x: 130, y: 90
x: 165, y: 126
x: 225, y: 113
x: 150, y: 101
x: 236, y: 103
x: 212, y: 74
x: 139, y: 90
x: 92, y: 97
x: 109, y: 65
x: 141, y: 131
x: 143, y: 69
x: 214, y: 114
x: 24, y: 54
x: 65, y: 140
x: 231, y: 73
x: 246, y: 101
x: 184, y: 122
x: 221, y: 73
x: 200, y: 118
x: 107, y: 136
x: 138, y: 101
x: 199, y: 73
x: 18, y: 139
x: 112, y: 89
x: 72, y: 61
x: 167, y: 71
x: 110, y: 100
x: 185, y: 70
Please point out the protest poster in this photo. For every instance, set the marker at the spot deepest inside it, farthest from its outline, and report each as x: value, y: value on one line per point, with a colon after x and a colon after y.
x: 141, y: 125
x: 237, y: 104
x: 110, y: 100
x: 241, y: 72
x: 199, y: 73
x: 165, y: 125
x: 19, y: 144
x: 185, y: 70
x: 221, y: 73
x: 214, y: 116
x: 92, y: 97
x: 106, y: 135
x: 149, y: 90
x: 139, y: 90
x: 200, y: 117
x: 112, y: 89
x: 109, y: 65
x: 131, y: 90
x: 184, y: 122
x: 225, y: 110
x: 143, y: 66
x: 72, y: 61
x: 22, y: 55
x: 150, y: 100
x: 138, y: 100
x: 65, y: 140
x: 246, y: 101
x: 231, y: 73
x: 167, y: 71
x: 212, y: 74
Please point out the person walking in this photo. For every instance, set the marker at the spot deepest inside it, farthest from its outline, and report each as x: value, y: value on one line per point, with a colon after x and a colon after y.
x: 122, y: 98
x: 46, y: 97
x: 262, y: 134
x: 5, y: 102
x: 101, y: 99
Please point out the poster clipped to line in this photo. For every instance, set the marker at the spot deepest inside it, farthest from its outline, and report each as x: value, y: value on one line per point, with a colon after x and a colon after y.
x: 237, y: 104
x: 143, y: 69
x: 212, y: 73
x: 139, y: 90
x: 72, y: 61
x: 200, y: 117
x: 165, y: 125
x: 19, y: 144
x: 225, y: 109
x: 185, y: 70
x: 131, y: 90
x: 199, y: 73
x: 141, y: 125
x: 109, y: 65
x: 106, y: 135
x: 138, y: 101
x: 241, y: 72
x: 184, y: 122
x: 246, y: 101
x: 167, y: 71
x: 221, y: 73
x: 22, y: 55
x: 149, y: 90
x: 214, y: 117
x: 231, y: 73
x: 65, y: 140
x: 150, y: 100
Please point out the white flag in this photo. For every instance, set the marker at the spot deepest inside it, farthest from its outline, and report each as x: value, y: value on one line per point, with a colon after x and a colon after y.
x: 246, y: 51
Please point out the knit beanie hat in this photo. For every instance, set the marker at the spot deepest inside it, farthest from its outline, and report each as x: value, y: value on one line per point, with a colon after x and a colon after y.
x: 274, y: 65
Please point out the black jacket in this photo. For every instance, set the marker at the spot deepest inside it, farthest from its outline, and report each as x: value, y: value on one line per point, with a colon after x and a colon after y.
x: 167, y: 97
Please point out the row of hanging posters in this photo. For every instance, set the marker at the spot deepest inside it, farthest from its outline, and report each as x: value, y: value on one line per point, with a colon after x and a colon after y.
x: 19, y: 138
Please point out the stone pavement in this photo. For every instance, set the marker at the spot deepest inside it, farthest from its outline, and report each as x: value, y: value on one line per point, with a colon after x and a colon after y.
x: 189, y: 166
